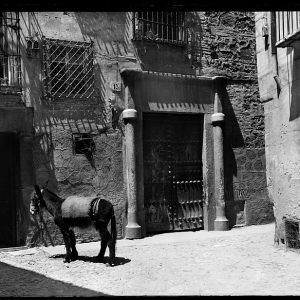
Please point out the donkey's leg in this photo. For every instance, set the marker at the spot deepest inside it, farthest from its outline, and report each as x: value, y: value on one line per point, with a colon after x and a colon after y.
x: 67, y: 239
x: 66, y: 236
x: 73, y: 245
x: 112, y: 250
x: 104, y: 234
x: 113, y: 238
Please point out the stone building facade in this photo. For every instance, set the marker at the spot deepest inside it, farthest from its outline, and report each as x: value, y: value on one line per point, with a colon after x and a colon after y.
x: 157, y: 112
x: 277, y: 40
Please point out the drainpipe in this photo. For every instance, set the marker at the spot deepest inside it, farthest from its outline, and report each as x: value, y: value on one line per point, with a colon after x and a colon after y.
x: 221, y: 222
x: 133, y: 230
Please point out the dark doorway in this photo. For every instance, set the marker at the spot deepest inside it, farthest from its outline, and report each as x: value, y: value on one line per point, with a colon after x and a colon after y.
x: 173, y: 190
x: 9, y: 162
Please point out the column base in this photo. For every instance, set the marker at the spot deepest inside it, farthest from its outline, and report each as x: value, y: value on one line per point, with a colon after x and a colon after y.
x: 221, y: 224
x: 133, y: 232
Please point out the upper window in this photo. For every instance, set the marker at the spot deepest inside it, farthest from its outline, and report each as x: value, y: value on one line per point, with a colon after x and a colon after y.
x: 160, y: 26
x: 287, y: 24
x: 68, y: 69
x: 10, y: 58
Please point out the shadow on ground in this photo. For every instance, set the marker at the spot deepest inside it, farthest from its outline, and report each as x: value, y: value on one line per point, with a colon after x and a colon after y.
x: 94, y: 259
x: 20, y: 282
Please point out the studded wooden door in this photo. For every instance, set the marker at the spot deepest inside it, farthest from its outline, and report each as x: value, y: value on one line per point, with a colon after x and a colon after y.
x: 173, y: 171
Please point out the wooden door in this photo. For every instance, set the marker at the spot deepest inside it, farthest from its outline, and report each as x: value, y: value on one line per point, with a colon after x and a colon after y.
x: 173, y: 171
x: 8, y: 175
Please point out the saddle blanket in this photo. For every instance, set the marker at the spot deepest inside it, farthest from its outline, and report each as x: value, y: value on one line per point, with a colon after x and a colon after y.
x: 75, y: 207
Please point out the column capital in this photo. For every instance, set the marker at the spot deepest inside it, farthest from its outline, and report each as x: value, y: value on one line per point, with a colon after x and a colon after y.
x: 129, y: 113
x: 217, y: 117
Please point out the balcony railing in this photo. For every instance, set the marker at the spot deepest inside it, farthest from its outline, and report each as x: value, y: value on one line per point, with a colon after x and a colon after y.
x: 287, y: 28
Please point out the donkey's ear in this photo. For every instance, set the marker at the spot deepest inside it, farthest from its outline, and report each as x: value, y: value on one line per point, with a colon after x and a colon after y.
x: 38, y: 191
x: 45, y: 185
x: 37, y: 188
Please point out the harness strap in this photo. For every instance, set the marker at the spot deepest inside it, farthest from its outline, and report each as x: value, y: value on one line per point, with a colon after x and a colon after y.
x: 100, y: 209
x: 94, y: 208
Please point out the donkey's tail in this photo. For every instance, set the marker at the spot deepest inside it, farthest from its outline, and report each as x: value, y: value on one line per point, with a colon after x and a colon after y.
x: 113, y: 227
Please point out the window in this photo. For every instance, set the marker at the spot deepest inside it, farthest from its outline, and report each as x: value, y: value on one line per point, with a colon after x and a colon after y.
x: 160, y: 26
x: 10, y: 59
x: 287, y: 27
x: 83, y: 143
x: 68, y: 69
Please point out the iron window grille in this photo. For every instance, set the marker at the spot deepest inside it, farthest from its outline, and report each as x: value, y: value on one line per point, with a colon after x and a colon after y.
x: 161, y: 26
x: 10, y: 58
x: 68, y: 69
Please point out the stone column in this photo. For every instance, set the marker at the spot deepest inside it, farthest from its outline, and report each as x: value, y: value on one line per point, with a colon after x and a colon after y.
x: 133, y: 230
x: 221, y: 222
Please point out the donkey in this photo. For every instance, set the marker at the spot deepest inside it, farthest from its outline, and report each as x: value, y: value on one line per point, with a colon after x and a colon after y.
x: 81, y: 212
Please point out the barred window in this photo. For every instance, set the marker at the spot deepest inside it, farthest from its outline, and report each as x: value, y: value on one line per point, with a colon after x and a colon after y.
x: 160, y: 26
x: 68, y: 69
x: 10, y: 58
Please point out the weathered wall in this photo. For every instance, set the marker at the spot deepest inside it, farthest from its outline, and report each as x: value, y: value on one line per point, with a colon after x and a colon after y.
x: 228, y: 48
x: 56, y: 121
x: 218, y: 44
x: 223, y: 43
x: 282, y: 123
x: 15, y: 117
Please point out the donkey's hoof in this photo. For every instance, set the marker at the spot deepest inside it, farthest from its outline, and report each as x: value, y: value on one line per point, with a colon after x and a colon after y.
x: 74, y: 256
x: 67, y: 259
x: 111, y: 263
x: 100, y: 258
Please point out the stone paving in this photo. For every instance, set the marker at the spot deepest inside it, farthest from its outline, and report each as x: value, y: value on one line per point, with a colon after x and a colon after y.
x: 242, y: 261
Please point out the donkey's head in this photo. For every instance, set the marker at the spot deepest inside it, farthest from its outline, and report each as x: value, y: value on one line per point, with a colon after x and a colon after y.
x: 36, y: 199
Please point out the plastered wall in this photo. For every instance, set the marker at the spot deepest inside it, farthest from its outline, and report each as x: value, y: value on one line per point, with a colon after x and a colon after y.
x: 55, y: 121
x: 282, y: 123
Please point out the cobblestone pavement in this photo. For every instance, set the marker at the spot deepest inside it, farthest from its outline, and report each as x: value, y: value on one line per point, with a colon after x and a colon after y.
x: 242, y: 261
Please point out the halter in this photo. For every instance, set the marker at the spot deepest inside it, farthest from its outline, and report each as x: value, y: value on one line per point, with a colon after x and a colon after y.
x: 37, y: 199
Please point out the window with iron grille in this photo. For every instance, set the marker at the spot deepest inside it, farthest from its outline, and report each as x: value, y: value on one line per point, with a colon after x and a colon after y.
x: 10, y: 58
x: 68, y: 69
x: 160, y: 26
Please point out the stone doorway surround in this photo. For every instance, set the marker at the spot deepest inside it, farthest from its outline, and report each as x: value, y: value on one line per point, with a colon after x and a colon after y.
x: 147, y: 91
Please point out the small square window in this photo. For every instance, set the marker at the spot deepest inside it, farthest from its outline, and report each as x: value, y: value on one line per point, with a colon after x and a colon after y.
x: 83, y: 143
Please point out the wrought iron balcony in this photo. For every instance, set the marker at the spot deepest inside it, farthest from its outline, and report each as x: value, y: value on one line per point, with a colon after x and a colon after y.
x: 287, y: 28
